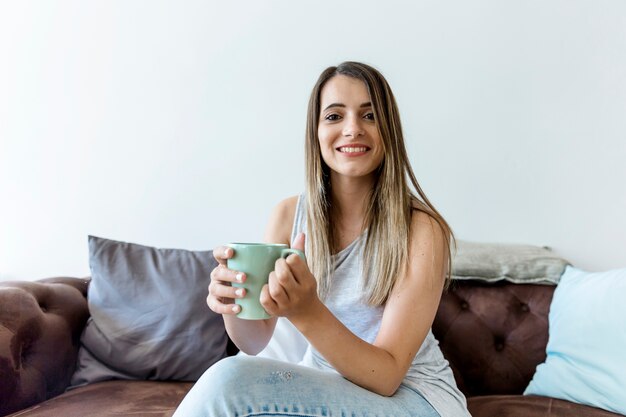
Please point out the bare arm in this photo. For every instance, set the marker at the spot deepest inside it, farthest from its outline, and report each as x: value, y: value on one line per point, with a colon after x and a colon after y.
x: 250, y: 336
x: 408, y: 316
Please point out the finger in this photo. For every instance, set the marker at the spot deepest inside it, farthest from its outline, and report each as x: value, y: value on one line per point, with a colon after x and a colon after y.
x: 226, y: 291
x: 276, y: 290
x: 222, y: 254
x: 221, y: 308
x: 284, y: 275
x: 297, y: 266
x: 270, y: 305
x: 221, y: 273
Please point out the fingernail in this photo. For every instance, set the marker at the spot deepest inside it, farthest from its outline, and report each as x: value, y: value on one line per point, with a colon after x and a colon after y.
x: 239, y: 292
x: 227, y: 252
x: 239, y: 277
x: 235, y: 309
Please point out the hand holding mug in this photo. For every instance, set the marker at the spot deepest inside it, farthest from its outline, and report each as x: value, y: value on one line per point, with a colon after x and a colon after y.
x: 291, y: 289
x: 243, y: 270
x: 222, y: 293
x: 256, y: 261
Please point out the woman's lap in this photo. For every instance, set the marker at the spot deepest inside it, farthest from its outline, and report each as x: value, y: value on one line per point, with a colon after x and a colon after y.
x: 247, y: 386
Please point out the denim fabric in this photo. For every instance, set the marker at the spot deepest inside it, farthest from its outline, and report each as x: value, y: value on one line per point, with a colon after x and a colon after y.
x: 243, y: 386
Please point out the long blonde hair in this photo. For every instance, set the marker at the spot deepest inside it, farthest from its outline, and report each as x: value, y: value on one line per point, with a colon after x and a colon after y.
x: 391, y: 201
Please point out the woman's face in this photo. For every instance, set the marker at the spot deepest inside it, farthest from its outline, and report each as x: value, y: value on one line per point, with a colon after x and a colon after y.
x: 347, y: 131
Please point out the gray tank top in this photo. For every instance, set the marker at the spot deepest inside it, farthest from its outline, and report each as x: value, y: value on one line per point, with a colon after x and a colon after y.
x: 429, y: 373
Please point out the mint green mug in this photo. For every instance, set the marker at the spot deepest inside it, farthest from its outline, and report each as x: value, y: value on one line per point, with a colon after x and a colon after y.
x: 256, y: 260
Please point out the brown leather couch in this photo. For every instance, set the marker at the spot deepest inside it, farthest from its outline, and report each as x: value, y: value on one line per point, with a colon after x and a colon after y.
x: 494, y: 335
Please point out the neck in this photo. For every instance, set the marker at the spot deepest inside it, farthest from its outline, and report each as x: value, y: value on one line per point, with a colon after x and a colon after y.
x: 350, y: 198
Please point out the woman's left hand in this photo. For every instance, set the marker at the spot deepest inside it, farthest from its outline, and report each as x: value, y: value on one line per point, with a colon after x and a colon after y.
x: 291, y: 289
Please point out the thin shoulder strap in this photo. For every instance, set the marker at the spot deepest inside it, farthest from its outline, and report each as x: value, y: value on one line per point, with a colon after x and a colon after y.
x: 299, y: 220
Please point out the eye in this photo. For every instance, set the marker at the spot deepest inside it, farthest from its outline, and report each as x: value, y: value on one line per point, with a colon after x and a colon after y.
x: 332, y: 117
x: 369, y: 115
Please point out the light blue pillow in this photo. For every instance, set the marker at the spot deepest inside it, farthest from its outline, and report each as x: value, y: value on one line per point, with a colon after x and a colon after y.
x: 586, y: 359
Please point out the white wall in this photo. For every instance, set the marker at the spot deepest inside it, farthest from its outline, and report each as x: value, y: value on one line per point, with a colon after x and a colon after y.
x: 180, y: 123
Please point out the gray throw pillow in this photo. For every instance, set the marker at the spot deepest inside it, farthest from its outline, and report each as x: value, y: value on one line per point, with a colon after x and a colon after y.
x: 149, y: 318
x: 520, y: 264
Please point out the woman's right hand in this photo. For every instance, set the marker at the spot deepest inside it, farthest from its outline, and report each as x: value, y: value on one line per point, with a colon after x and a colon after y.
x: 222, y: 294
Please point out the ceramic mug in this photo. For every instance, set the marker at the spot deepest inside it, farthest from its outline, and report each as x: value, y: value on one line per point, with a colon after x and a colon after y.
x: 256, y: 260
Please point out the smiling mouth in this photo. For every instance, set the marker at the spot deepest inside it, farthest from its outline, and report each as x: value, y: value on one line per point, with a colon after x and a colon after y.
x: 352, y: 149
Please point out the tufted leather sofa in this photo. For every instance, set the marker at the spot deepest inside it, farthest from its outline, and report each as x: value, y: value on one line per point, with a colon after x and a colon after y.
x: 493, y: 335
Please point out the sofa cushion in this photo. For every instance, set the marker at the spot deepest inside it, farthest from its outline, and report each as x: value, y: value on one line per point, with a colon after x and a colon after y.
x: 114, y: 398
x: 520, y: 264
x: 149, y: 318
x: 525, y: 406
x: 585, y: 353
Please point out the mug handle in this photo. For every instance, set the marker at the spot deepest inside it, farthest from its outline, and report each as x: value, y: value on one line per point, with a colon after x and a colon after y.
x: 286, y: 252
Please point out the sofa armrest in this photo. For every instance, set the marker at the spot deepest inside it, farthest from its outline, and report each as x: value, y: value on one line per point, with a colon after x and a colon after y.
x: 40, y: 327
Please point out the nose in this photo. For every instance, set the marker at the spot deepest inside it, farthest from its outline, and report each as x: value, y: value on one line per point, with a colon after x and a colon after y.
x: 353, y: 127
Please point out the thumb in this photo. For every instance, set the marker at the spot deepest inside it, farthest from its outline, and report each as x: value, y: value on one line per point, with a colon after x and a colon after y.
x: 298, y: 242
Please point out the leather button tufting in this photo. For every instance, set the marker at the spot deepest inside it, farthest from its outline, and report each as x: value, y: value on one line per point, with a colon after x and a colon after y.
x: 524, y: 308
x: 464, y: 305
x: 498, y: 343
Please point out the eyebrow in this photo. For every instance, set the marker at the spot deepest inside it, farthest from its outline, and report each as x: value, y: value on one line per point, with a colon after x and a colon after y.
x: 330, y: 106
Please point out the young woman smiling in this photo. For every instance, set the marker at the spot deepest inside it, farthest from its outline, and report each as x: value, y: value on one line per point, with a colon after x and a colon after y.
x: 378, y: 257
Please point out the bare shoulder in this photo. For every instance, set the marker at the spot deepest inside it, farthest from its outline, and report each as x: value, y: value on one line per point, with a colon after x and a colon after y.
x: 286, y: 210
x: 428, y: 236
x: 422, y: 217
x: 289, y: 204
x: 281, y: 221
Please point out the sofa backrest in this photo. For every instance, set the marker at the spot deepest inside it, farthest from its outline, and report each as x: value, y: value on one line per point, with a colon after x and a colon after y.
x: 493, y: 335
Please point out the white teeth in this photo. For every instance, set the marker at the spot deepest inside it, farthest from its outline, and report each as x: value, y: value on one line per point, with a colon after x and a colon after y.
x: 347, y: 149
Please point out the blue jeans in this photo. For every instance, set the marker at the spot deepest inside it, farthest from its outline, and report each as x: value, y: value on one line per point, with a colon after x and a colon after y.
x: 244, y: 386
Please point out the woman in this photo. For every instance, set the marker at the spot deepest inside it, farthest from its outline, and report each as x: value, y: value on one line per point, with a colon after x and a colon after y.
x: 378, y: 259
